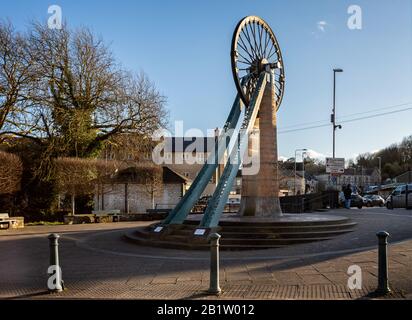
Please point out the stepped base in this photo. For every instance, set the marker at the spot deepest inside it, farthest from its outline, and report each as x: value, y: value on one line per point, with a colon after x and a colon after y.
x: 246, y: 233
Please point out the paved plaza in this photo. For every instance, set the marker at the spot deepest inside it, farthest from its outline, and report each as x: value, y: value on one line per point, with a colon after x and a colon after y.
x: 98, y: 263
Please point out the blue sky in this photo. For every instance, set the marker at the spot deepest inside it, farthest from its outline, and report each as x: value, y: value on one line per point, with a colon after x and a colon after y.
x: 184, y: 47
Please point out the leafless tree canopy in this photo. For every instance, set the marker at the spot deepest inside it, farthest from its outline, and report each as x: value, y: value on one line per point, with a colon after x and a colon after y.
x: 11, y: 169
x: 16, y: 75
x: 79, y: 176
x: 65, y: 88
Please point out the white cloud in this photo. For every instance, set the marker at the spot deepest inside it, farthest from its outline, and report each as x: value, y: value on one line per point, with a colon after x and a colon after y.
x: 309, y: 153
x: 315, y: 155
x: 322, y: 25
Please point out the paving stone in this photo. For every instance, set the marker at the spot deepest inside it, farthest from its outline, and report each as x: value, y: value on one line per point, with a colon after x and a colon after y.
x: 89, y: 273
x: 314, y: 279
x: 164, y: 280
x: 287, y: 278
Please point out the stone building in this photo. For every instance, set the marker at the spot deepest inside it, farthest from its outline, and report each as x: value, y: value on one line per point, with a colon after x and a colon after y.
x: 288, y: 181
x: 187, y: 156
x: 360, y: 178
x: 184, y: 155
x: 134, y: 190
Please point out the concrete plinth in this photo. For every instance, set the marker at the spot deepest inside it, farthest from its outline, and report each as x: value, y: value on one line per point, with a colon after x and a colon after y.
x: 246, y: 233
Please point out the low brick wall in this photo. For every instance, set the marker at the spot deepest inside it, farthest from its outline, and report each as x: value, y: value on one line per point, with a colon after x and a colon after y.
x: 90, y: 218
x: 143, y: 216
x: 12, y: 223
x: 309, y: 202
x: 18, y: 224
x: 80, y: 219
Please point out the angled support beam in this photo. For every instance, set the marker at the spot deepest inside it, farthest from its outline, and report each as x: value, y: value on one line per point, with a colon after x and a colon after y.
x: 217, y: 203
x: 185, y: 205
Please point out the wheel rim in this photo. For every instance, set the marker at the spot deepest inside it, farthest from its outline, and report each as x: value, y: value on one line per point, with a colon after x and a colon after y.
x: 254, y: 46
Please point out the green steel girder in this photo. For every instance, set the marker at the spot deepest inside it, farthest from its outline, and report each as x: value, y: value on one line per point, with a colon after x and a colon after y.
x: 185, y: 205
x: 218, y: 201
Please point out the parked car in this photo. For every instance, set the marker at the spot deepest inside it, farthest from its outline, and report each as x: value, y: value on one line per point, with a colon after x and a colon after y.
x: 233, y: 200
x: 374, y: 200
x: 356, y: 200
x: 398, y: 197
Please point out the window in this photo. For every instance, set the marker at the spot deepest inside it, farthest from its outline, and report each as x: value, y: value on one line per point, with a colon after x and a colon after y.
x: 403, y: 189
x: 397, y: 191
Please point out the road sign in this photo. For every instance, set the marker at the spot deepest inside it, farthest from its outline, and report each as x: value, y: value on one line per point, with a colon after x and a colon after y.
x: 335, y: 165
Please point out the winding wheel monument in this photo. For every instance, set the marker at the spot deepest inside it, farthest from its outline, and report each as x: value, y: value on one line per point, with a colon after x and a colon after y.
x: 258, y: 72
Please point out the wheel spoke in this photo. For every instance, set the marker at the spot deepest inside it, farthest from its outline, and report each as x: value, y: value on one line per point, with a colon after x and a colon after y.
x: 247, y: 35
x: 244, y: 48
x: 267, y: 41
x: 272, y: 54
x: 254, y: 39
x: 243, y: 62
x: 250, y: 42
x: 260, y: 39
x: 243, y: 57
x: 271, y: 48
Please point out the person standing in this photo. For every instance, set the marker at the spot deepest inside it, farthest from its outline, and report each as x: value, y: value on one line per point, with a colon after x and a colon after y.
x: 348, y: 194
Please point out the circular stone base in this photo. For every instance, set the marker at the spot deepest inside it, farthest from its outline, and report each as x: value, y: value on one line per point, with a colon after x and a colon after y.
x: 285, y: 219
x: 245, y: 233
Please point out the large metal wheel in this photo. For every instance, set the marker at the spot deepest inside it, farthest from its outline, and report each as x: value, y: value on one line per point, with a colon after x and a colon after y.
x: 255, y: 49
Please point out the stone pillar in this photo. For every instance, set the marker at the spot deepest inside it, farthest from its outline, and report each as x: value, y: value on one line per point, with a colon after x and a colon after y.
x: 249, y: 186
x: 260, y: 192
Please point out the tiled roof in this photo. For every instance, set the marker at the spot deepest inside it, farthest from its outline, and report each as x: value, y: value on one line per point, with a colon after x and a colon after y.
x: 180, y: 144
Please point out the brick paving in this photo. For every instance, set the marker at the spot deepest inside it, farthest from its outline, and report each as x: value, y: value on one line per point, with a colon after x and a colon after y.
x: 96, y: 263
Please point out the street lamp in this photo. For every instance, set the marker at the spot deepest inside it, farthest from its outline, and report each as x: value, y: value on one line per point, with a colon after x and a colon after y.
x: 380, y: 173
x: 304, y: 154
x: 333, y: 116
x: 296, y: 151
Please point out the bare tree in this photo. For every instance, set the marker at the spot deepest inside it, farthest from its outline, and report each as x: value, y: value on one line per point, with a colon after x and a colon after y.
x: 11, y: 169
x: 64, y: 91
x: 81, y: 98
x: 148, y: 175
x: 77, y: 176
x: 153, y: 181
x: 16, y: 74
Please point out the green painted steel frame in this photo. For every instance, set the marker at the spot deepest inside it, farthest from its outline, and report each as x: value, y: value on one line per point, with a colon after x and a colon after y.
x: 218, y: 201
x: 185, y: 205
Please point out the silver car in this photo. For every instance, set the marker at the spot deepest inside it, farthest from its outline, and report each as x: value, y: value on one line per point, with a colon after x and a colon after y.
x: 398, y: 197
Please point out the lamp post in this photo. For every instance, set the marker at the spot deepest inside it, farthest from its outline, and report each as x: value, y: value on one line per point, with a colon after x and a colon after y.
x: 380, y: 173
x: 304, y: 154
x: 296, y: 151
x: 333, y: 116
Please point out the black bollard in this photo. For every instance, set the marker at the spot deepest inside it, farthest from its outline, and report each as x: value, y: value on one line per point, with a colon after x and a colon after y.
x: 54, y: 263
x: 214, y: 287
x: 383, y: 283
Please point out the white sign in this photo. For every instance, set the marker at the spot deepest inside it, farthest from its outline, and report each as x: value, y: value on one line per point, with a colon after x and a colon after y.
x: 335, y: 165
x: 200, y: 232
